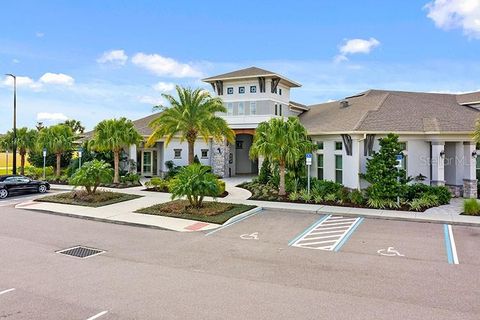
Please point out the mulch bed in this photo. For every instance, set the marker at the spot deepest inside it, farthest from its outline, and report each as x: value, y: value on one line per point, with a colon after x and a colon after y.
x: 81, y: 198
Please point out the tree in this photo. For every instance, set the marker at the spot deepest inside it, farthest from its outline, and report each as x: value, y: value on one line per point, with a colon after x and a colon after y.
x: 476, y: 133
x: 113, y: 135
x: 284, y: 142
x: 26, y: 141
x: 91, y: 175
x: 56, y: 139
x: 190, y: 116
x: 382, y: 173
x: 75, y: 125
x: 195, y: 182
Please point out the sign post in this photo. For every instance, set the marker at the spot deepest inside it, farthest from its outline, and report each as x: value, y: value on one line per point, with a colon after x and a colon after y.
x: 399, y: 165
x: 6, y: 152
x: 308, y: 161
x: 80, y: 150
x: 44, y: 161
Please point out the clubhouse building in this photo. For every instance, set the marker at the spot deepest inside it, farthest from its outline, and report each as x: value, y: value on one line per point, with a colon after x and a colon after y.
x: 435, y: 130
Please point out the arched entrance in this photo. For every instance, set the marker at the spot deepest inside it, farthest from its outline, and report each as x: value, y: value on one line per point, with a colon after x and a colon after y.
x: 243, y: 163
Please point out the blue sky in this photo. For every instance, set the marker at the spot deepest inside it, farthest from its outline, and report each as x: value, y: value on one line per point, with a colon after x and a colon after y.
x: 91, y: 60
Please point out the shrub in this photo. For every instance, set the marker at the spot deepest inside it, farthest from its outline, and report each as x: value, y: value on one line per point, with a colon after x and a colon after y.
x: 382, y: 203
x: 91, y: 175
x: 194, y: 182
x: 172, y: 169
x: 157, y: 184
x: 323, y: 187
x: 343, y: 195
x: 382, y: 173
x: 317, y: 198
x: 130, y: 177
x: 424, y: 202
x: 417, y: 190
x: 331, y: 197
x: 305, y: 195
x: 265, y: 173
x: 356, y: 197
x: 471, y: 207
x: 294, y: 196
x: 37, y: 173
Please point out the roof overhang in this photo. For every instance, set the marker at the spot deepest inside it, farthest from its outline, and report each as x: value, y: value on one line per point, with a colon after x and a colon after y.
x: 288, y: 82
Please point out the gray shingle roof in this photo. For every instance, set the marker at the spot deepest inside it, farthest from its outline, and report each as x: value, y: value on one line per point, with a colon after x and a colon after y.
x: 392, y: 111
x: 142, y: 124
x: 251, y: 72
x: 471, y: 97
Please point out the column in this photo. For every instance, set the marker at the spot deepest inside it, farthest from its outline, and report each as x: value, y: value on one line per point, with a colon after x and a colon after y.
x: 438, y: 165
x: 132, y: 155
x: 220, y: 153
x: 469, y: 176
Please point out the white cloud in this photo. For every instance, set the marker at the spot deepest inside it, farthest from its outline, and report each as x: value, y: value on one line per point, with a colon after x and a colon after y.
x: 451, y: 14
x: 164, y: 86
x: 154, y: 101
x: 116, y: 57
x: 24, y: 82
x: 39, y: 34
x: 57, y: 78
x: 54, y: 117
x: 354, y: 46
x: 15, y: 61
x: 164, y: 66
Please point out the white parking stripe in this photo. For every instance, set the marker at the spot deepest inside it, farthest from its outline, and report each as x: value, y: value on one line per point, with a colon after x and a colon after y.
x: 328, y: 234
x: 6, y: 291
x: 98, y: 315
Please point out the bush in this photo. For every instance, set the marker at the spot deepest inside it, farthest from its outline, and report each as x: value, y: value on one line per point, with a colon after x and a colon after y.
x: 323, y: 187
x: 37, y: 173
x: 157, y: 184
x: 294, y: 196
x: 172, y: 169
x: 382, y: 203
x: 130, y: 177
x: 35, y: 158
x: 471, y: 207
x: 418, y: 190
x: 194, y: 182
x: 265, y: 173
x: 91, y: 175
x: 356, y: 197
x: 305, y: 195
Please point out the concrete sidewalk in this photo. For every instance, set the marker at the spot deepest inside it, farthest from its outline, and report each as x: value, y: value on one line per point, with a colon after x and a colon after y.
x: 124, y: 212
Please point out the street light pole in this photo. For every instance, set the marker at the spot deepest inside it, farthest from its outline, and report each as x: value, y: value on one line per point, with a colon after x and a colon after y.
x: 14, y: 145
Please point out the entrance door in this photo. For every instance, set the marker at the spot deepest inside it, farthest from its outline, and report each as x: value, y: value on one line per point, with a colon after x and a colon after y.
x: 147, y: 163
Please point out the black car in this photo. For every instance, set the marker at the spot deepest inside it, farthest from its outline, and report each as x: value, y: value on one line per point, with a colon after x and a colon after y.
x: 10, y: 184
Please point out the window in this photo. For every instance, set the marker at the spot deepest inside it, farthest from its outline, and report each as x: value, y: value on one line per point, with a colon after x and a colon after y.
x: 338, y: 146
x: 403, y: 145
x: 253, y: 89
x: 177, y: 153
x: 280, y: 91
x: 253, y: 107
x: 276, y: 110
x: 241, y: 109
x: 229, y: 90
x: 404, y: 165
x: 241, y: 89
x: 338, y: 168
x: 320, y: 167
x: 281, y: 111
x: 320, y: 145
x: 239, y: 145
x: 230, y: 109
x: 478, y: 167
x: 204, y: 153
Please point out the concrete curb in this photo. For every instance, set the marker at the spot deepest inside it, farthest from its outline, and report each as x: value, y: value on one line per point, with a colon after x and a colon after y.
x: 125, y: 223
x: 241, y: 215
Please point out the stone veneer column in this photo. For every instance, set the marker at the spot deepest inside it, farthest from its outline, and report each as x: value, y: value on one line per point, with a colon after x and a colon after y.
x: 438, y: 165
x: 469, y: 177
x: 220, y: 152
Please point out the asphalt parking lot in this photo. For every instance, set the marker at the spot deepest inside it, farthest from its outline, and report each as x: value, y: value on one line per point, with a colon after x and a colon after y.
x: 271, y: 265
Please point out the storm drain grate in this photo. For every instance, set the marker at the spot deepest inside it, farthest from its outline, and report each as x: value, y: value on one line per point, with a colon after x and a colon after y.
x: 81, y: 252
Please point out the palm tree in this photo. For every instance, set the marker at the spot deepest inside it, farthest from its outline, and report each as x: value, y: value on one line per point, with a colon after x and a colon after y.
x: 282, y: 141
x: 113, y: 135
x: 190, y: 116
x: 26, y: 141
x: 476, y: 133
x: 56, y: 139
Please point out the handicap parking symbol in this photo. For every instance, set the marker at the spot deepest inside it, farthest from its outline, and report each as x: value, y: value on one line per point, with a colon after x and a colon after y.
x: 252, y: 236
x: 390, y: 252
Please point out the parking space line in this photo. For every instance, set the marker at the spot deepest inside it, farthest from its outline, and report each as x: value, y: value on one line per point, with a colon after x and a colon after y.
x: 98, y: 315
x: 329, y: 233
x: 230, y: 224
x: 306, y: 231
x: 6, y: 291
x: 450, y: 244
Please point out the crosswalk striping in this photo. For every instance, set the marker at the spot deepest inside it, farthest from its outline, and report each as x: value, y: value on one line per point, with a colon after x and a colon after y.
x: 330, y: 233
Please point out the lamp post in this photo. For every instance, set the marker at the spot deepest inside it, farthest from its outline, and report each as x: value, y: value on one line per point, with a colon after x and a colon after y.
x: 14, y: 144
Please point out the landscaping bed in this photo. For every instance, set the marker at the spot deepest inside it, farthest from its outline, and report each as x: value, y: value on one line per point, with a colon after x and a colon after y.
x: 82, y: 198
x: 212, y: 211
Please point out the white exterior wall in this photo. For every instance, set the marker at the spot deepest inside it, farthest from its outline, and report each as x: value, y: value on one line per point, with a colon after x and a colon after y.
x: 169, y: 153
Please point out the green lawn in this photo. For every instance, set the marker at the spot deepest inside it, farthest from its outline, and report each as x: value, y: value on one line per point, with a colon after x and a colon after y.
x: 81, y: 198
x: 213, y: 212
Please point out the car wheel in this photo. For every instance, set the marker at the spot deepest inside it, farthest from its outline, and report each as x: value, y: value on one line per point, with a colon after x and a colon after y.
x: 42, y: 188
x: 3, y: 193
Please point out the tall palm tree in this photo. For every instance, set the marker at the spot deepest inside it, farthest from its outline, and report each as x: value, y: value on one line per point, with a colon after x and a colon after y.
x: 189, y: 116
x: 282, y: 141
x: 56, y: 139
x: 26, y: 141
x: 113, y: 135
